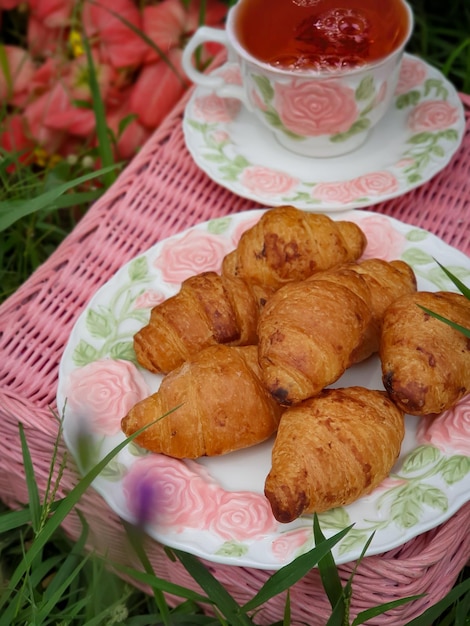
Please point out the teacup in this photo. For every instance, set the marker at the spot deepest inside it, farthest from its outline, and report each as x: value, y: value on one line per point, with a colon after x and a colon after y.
x: 318, y: 105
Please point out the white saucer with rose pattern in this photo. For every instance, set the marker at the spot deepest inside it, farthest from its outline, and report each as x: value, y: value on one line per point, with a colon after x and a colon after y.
x: 415, y: 140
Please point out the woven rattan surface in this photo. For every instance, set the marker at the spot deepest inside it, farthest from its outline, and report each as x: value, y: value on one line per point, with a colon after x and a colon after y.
x: 160, y: 193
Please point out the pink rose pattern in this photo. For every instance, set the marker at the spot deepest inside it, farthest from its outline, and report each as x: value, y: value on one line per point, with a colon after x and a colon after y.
x: 212, y: 108
x: 384, y: 241
x: 186, y: 497
x: 450, y: 431
x: 311, y: 109
x: 266, y: 181
x: 412, y: 74
x: 103, y: 392
x: 287, y: 545
x: 192, y: 253
x: 149, y: 299
x: 432, y: 115
x: 343, y: 192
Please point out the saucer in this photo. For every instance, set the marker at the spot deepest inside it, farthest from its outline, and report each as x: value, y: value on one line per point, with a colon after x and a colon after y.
x: 415, y: 140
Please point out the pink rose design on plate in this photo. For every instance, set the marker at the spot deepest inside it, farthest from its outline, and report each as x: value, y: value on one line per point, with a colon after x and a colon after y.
x: 312, y: 109
x: 231, y: 74
x: 412, y: 74
x: 264, y: 180
x: 383, y: 241
x: 450, y: 431
x: 194, y: 252
x: 182, y: 498
x: 104, y: 391
x: 286, y: 546
x: 432, y: 115
x: 339, y: 192
x: 374, y: 184
x: 148, y: 299
x: 212, y: 108
x: 243, y: 515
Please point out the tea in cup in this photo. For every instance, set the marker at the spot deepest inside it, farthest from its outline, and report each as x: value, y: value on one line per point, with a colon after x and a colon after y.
x: 319, y: 74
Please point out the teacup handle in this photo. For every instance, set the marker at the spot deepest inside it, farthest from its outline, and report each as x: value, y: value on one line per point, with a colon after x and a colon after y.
x: 216, y: 83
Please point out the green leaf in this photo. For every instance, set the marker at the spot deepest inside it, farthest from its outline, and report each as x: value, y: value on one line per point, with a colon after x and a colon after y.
x: 264, y: 86
x: 214, y: 157
x: 358, y: 126
x: 455, y: 468
x: 437, y: 85
x: 464, y: 290
x: 138, y: 269
x: 415, y: 256
x: 406, y: 511
x: 217, y: 593
x: 241, y: 162
x: 13, y: 210
x: 232, y: 549
x: 368, y: 614
x: 416, y: 234
x: 199, y: 126
x: 335, y: 518
x: 98, y: 324
x: 450, y: 134
x: 433, y: 497
x: 219, y: 225
x: 330, y: 578
x: 420, y: 138
x: 114, y: 471
x: 365, y: 89
x: 33, y: 492
x: 123, y: 350
x: 291, y: 573
x: 84, y: 353
x: 413, y: 179
x: 438, y: 151
x: 430, y: 615
x: 458, y: 327
x: 411, y: 98
x: 419, y: 458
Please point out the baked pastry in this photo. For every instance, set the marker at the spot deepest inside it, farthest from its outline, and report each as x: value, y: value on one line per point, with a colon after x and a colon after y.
x: 209, y: 309
x: 213, y: 404
x: 288, y: 244
x: 426, y: 362
x: 331, y: 450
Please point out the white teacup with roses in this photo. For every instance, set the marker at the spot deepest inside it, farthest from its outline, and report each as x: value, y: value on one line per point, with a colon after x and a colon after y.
x: 312, y: 113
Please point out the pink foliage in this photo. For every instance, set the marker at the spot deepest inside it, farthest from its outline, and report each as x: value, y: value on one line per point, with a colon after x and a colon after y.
x: 47, y: 84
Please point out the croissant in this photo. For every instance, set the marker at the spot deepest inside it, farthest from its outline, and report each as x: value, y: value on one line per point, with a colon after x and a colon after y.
x: 288, y: 244
x: 310, y: 332
x: 219, y: 403
x: 209, y: 309
x: 331, y: 450
x: 425, y: 362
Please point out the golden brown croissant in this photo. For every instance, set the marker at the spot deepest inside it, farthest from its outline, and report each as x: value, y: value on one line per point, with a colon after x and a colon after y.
x: 331, y: 450
x: 222, y: 406
x: 209, y: 309
x: 310, y: 332
x: 288, y: 244
x: 425, y: 362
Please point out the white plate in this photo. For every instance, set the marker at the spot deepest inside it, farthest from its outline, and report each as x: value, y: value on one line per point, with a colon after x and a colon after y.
x: 215, y: 507
x: 415, y: 140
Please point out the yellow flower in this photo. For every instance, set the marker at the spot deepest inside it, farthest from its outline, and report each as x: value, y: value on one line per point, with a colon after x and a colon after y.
x: 76, y: 43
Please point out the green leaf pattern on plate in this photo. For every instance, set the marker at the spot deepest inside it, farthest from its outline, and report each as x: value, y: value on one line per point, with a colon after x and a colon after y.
x: 232, y: 549
x: 105, y: 323
x: 408, y: 498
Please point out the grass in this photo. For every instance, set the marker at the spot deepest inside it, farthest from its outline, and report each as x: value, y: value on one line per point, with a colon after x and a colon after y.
x: 44, y: 577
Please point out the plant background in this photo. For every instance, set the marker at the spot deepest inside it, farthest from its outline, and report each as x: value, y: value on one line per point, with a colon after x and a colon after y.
x: 79, y: 64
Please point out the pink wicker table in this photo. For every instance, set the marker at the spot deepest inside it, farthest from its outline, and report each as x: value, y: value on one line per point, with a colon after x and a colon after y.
x: 160, y: 193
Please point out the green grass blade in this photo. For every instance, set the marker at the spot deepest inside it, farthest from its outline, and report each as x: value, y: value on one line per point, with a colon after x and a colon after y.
x: 61, y: 512
x: 33, y: 492
x: 9, y: 520
x: 461, y: 329
x: 105, y: 148
x: 217, y: 592
x: 329, y: 575
x: 291, y: 573
x: 164, y: 585
x: 135, y: 539
x: 464, y: 290
x: 429, y: 616
x: 368, y: 614
x: 12, y: 210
